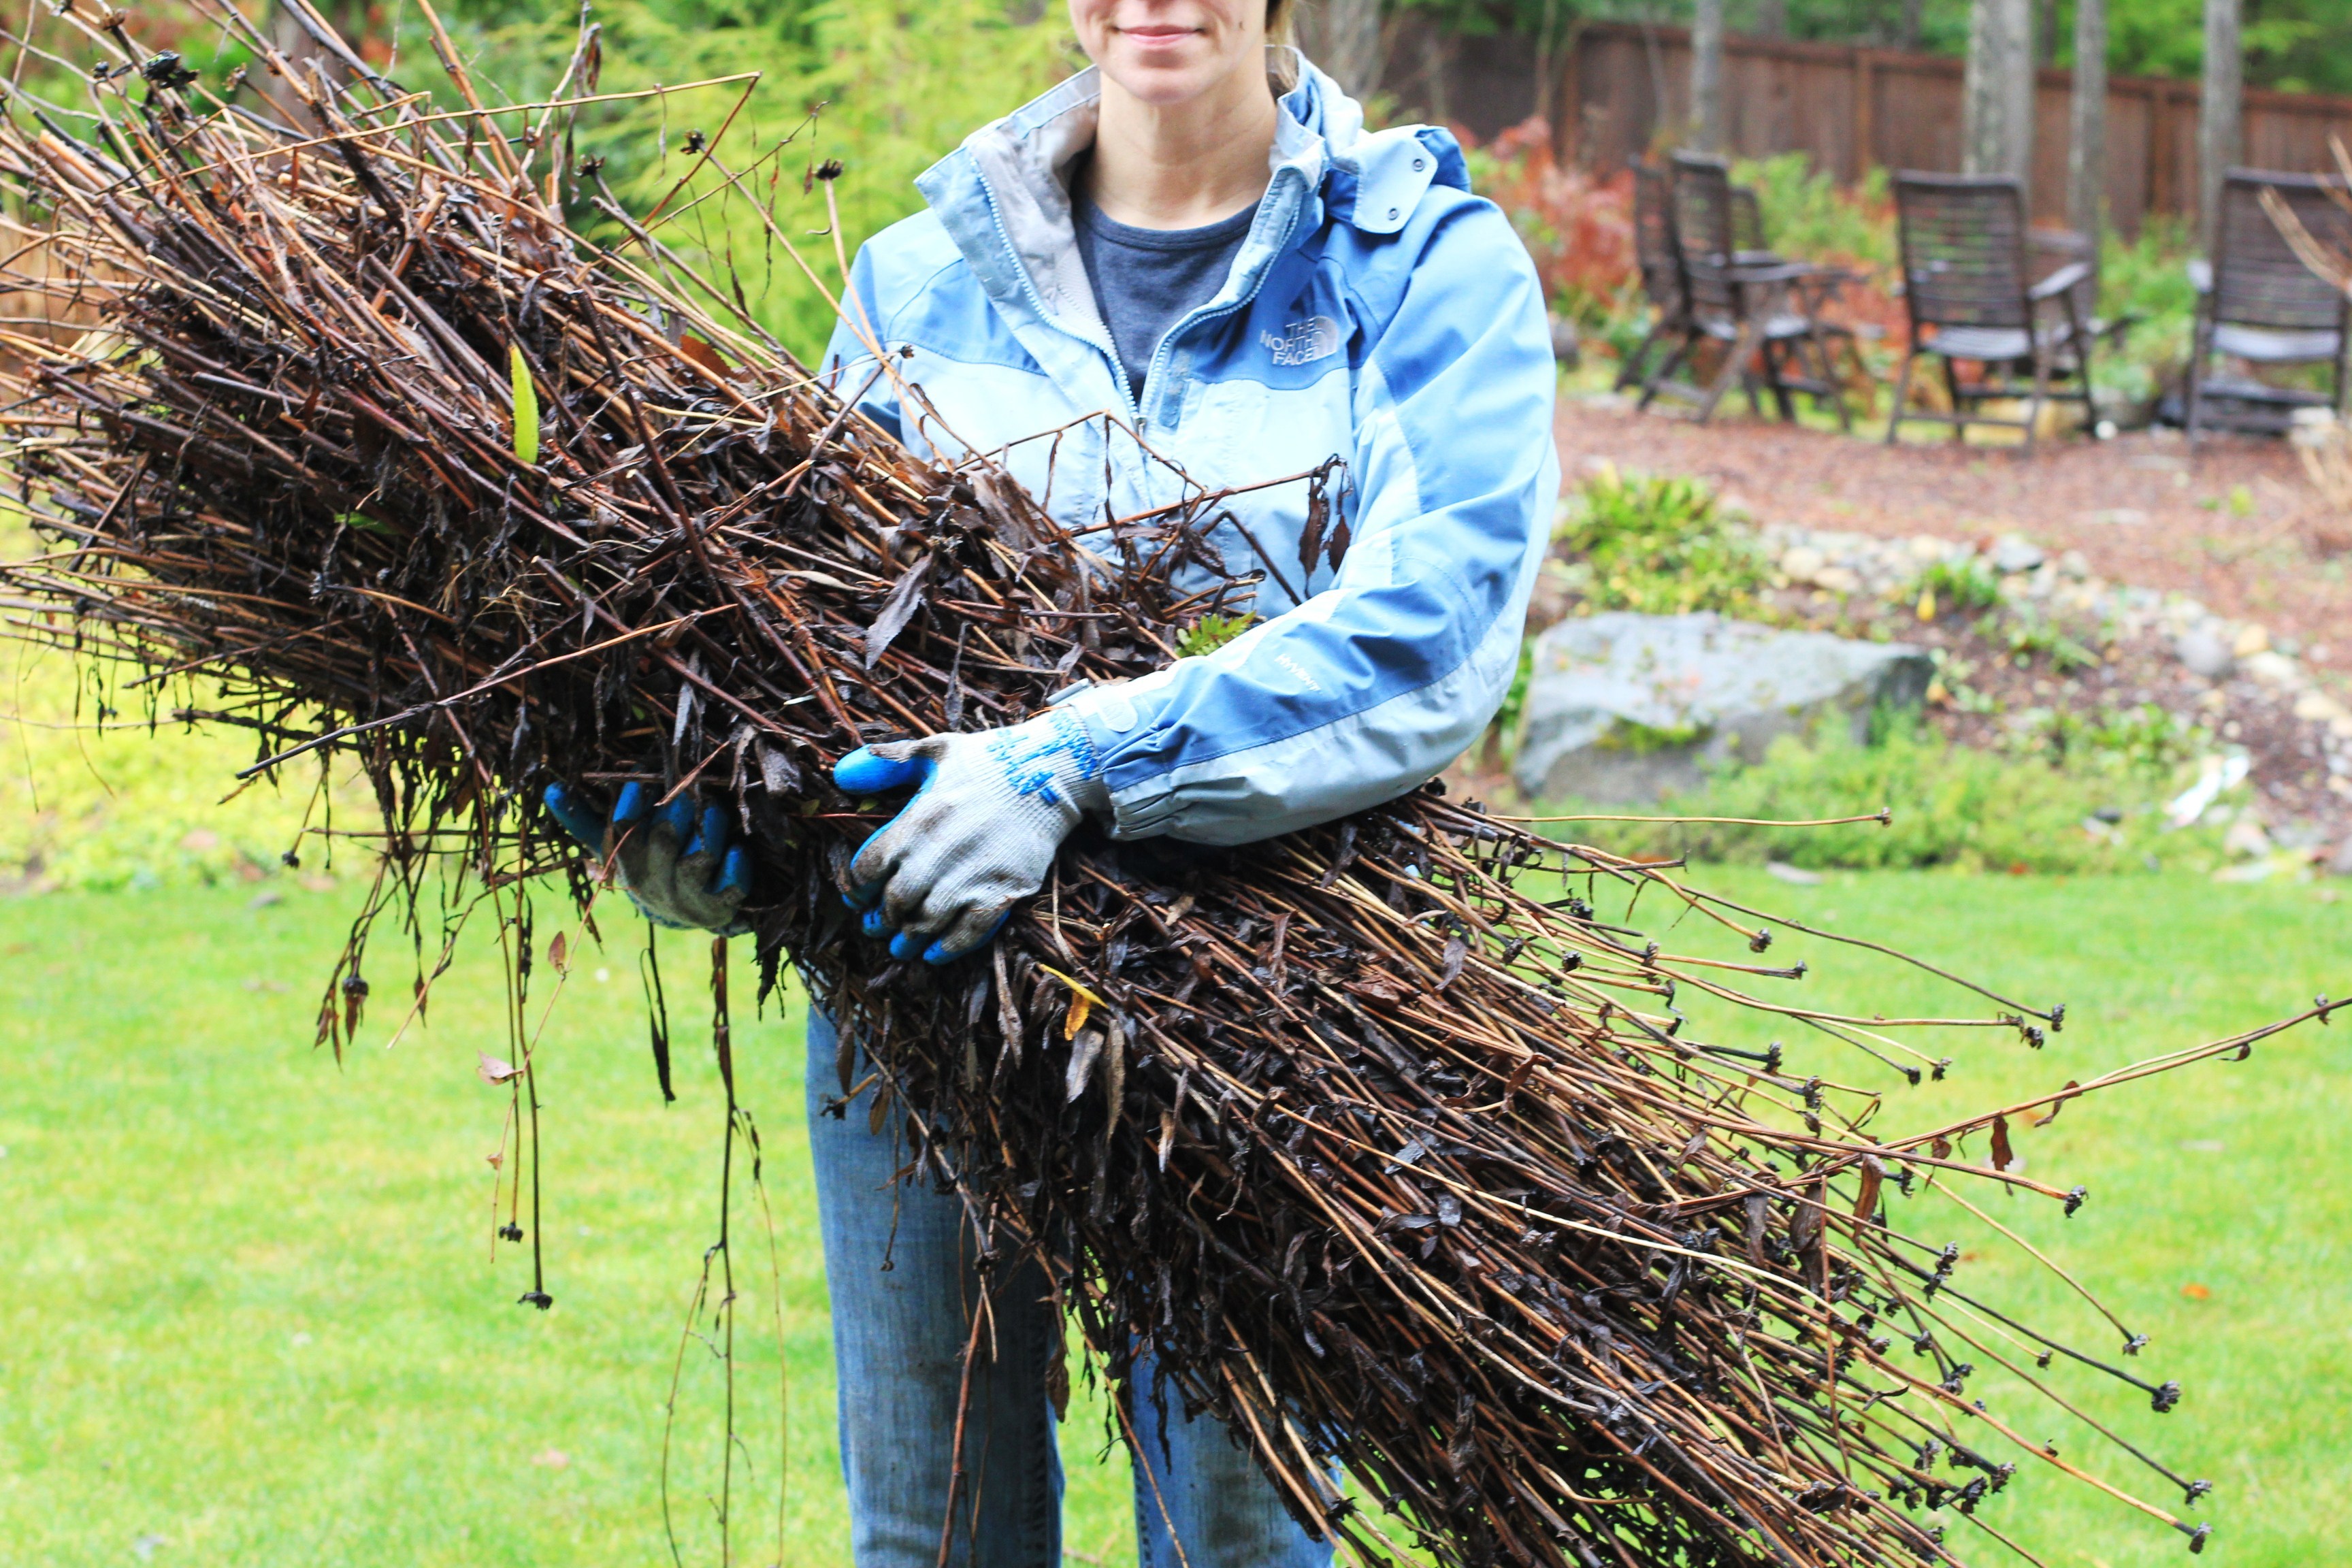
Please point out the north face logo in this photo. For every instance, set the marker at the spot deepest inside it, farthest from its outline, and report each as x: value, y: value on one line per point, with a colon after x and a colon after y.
x: 1304, y: 342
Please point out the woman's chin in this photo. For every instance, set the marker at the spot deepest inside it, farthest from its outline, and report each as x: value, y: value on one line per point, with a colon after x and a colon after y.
x: 1164, y: 75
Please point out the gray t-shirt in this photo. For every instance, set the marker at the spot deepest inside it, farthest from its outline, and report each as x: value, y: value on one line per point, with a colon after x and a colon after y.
x: 1144, y: 278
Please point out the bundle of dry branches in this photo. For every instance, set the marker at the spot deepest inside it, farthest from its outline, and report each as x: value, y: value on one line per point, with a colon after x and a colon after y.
x: 1391, y: 1148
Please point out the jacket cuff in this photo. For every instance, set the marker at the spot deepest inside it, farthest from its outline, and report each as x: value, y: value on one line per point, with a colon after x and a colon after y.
x: 1116, y: 716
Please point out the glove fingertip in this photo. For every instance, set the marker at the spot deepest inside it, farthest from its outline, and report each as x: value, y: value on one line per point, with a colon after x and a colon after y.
x: 678, y: 817
x: 906, y: 944
x: 941, y: 951
x: 714, y: 826
x: 573, y: 814
x: 631, y: 804
x: 735, y: 871
x: 866, y: 771
x: 875, y: 923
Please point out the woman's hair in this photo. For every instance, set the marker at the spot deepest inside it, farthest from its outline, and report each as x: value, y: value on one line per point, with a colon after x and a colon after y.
x: 1278, y: 22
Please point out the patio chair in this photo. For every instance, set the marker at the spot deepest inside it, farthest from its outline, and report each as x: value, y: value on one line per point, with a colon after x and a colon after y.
x: 2047, y: 250
x: 2260, y: 304
x: 1755, y: 306
x: 1748, y: 227
x: 1661, y: 262
x: 1970, y: 296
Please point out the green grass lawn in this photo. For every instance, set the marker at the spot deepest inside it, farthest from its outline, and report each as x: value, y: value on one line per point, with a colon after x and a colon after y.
x: 252, y: 1316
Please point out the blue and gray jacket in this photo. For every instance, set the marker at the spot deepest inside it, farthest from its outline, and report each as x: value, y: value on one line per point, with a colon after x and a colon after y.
x: 1377, y: 313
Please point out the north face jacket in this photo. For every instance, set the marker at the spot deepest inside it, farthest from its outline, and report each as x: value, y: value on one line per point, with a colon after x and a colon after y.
x: 1377, y: 313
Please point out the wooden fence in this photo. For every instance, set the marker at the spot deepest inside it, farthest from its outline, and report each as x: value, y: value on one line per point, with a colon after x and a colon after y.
x: 1618, y: 90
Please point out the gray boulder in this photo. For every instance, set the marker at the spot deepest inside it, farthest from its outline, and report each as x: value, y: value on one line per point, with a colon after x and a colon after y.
x: 2206, y: 652
x: 1624, y: 708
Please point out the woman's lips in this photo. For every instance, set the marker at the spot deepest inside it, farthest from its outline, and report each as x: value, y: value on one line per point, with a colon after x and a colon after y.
x: 1157, y: 37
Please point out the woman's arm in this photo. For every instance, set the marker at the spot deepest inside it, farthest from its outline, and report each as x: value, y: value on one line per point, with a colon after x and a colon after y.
x: 1376, y: 684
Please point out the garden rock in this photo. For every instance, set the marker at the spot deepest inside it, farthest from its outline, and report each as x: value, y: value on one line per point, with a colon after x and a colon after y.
x: 2013, y: 552
x: 2341, y: 866
x: 2205, y: 652
x: 1625, y: 707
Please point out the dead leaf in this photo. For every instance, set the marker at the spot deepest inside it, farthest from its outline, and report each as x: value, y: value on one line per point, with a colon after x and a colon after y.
x: 496, y: 1072
x: 556, y: 1458
x: 1456, y: 951
x: 1115, y: 1073
x: 1082, y: 1063
x: 1310, y: 537
x: 702, y: 354
x: 1008, y: 1016
x: 1806, y: 1228
x: 2055, y: 1104
x: 1941, y: 1148
x: 2003, y: 1156
x: 905, y: 597
x: 778, y: 772
x: 1375, y: 986
x: 557, y: 958
x: 2197, y: 1293
x: 1865, y: 1201
x: 1080, y: 1005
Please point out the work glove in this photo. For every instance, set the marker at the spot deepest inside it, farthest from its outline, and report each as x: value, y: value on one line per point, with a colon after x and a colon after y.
x: 941, y: 877
x: 676, y: 862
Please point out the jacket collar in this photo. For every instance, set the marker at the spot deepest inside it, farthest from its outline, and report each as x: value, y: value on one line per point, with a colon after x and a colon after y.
x: 1003, y: 196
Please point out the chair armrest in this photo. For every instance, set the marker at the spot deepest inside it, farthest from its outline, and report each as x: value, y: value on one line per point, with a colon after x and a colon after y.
x: 1776, y: 272
x: 2059, y: 281
x: 2201, y: 275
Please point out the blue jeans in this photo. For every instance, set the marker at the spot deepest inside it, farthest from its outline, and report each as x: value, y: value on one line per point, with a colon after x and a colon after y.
x: 897, y: 1260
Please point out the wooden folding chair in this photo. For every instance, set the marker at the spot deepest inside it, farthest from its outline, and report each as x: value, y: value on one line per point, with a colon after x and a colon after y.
x: 1970, y: 296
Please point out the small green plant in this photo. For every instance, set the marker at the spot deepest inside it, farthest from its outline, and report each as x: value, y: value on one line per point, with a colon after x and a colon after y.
x: 2145, y: 740
x: 1645, y: 740
x: 1660, y: 546
x: 1210, y: 633
x: 1807, y: 213
x: 1505, y: 727
x: 2031, y: 636
x: 1953, y: 805
x: 1969, y: 587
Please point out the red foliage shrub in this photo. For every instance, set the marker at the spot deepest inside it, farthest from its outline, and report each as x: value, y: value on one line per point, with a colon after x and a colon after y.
x: 1579, y: 228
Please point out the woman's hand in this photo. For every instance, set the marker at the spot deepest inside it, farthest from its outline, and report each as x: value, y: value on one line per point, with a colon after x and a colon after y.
x: 990, y: 811
x: 676, y: 864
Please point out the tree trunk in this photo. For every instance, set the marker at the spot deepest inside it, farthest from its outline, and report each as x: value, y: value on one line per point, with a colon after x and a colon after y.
x: 1546, y: 68
x: 2218, y: 107
x: 1909, y: 37
x: 1706, y: 77
x: 1772, y: 18
x: 1343, y: 37
x: 1997, y: 108
x: 2086, y: 154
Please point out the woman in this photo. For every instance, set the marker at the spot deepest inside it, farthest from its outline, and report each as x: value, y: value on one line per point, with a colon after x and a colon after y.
x: 1251, y: 283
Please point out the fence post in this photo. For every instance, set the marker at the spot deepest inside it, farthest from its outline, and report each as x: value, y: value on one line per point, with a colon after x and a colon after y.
x: 1865, y: 113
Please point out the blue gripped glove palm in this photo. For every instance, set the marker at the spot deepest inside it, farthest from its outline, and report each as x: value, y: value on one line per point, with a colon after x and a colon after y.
x: 940, y: 878
x: 676, y: 862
